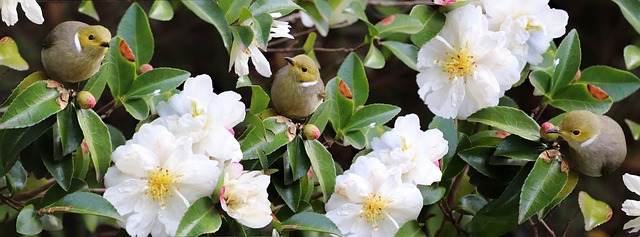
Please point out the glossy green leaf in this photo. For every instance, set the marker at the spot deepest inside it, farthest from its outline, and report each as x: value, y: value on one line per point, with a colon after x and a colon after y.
x: 541, y: 187
x: 61, y: 170
x: 51, y: 222
x: 352, y: 73
x: 320, y: 13
x: 24, y: 84
x: 398, y: 23
x: 259, y: 100
x: 451, y: 167
x: 407, y: 53
x: 34, y: 104
x: 98, y: 81
x: 201, y: 218
x: 9, y: 55
x: 86, y: 7
x: 87, y: 204
x: 298, y: 159
x: 433, y: 21
x: 291, y: 194
x: 507, y: 101
x: 374, y: 58
x: 618, y: 84
x: 68, y: 129
x: 541, y: 81
x: 158, y: 80
x: 231, y: 8
x: 81, y: 162
x: 478, y: 158
x: 502, y: 213
x: 355, y: 139
x: 568, y: 57
x: 135, y: 30
x: 632, y: 56
x: 244, y: 34
x: 357, y: 9
x: 309, y: 221
x: 631, y: 11
x: 449, y: 132
x: 270, y: 6
x: 323, y: 166
x: 257, y: 142
x: 210, y: 12
x: 28, y: 222
x: 121, y: 71
x: 511, y: 120
x: 161, y: 10
x: 138, y: 108
x: 634, y: 127
x: 470, y: 204
x: 594, y: 212
x: 117, y: 138
x: 431, y: 193
x: 518, y: 148
x: 321, y: 116
x: 262, y: 28
x: 341, y: 106
x: 98, y: 140
x: 572, y: 181
x: 372, y: 115
x: 16, y: 178
x: 56, y: 192
x: 12, y: 141
x: 577, y: 97
x: 410, y: 229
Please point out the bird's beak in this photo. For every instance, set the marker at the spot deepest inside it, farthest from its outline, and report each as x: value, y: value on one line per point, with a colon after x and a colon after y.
x: 553, y: 130
x: 105, y: 44
x: 289, y: 60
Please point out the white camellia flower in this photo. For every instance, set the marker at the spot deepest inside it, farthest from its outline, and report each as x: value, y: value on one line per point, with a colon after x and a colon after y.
x: 371, y: 200
x: 244, y: 196
x: 465, y: 67
x: 415, y: 152
x: 30, y: 7
x: 155, y: 179
x: 206, y: 117
x: 632, y: 207
x: 530, y: 26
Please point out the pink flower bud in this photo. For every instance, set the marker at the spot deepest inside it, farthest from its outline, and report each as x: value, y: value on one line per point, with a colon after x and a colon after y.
x: 311, y: 132
x: 144, y: 68
x: 444, y: 2
x: 85, y: 100
x: 546, y: 126
x: 233, y: 133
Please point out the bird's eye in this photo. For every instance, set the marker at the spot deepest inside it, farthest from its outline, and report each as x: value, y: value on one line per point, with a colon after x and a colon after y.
x: 304, y: 69
x: 91, y: 37
x: 576, y: 132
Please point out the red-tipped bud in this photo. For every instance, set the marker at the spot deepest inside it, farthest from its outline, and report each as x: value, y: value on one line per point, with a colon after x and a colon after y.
x: 144, y: 68
x: 311, y: 132
x: 548, y: 136
x: 85, y: 100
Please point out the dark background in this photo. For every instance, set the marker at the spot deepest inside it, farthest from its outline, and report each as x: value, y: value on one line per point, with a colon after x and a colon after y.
x: 188, y: 43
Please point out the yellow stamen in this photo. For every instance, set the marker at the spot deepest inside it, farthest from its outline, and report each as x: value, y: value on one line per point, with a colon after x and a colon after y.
x: 160, y: 184
x: 459, y: 65
x: 373, y: 209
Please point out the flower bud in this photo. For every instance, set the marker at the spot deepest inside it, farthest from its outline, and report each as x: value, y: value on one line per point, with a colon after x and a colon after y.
x: 144, y: 68
x: 311, y: 132
x: 548, y: 136
x: 85, y: 100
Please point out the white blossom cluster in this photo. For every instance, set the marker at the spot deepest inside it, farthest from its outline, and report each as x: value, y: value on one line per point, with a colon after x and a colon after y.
x: 480, y: 52
x: 179, y: 157
x: 379, y: 192
x: 9, y: 9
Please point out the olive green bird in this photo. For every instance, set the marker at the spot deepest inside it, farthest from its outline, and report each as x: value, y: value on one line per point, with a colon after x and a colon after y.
x: 297, y: 88
x: 596, y: 142
x: 73, y: 51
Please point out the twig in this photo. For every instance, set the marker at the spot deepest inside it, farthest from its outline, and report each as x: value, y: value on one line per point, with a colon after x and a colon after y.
x: 35, y: 192
x: 444, y: 207
x: 566, y: 227
x: 454, y: 186
x: 343, y: 49
x: 541, y: 221
x: 535, y: 113
x: 295, y: 35
x: 399, y: 3
x: 534, y: 227
x: 101, y: 109
x: 289, y: 17
x: 12, y: 203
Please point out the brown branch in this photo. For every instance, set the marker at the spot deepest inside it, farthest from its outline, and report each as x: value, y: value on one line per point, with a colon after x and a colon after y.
x: 53, y: 210
x: 444, y: 207
x: 110, y: 104
x: 541, y: 221
x: 330, y: 50
x: 295, y: 36
x: 12, y: 203
x: 399, y: 3
x: 35, y: 192
x: 534, y: 228
x: 535, y: 113
x: 566, y: 227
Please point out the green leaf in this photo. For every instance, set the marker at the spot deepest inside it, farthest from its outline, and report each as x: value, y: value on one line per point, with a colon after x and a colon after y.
x: 68, y: 129
x: 210, y: 12
x: 352, y: 73
x: 259, y: 100
x: 298, y: 159
x: 410, y: 229
x: 321, y: 116
x: 374, y: 58
x: 631, y: 11
x: 478, y: 158
x: 518, y: 148
x: 158, y: 80
x: 470, y: 204
x: 372, y: 115
x: 121, y: 72
x: 634, y: 127
x: 356, y: 139
x: 96, y: 134
x: 161, y: 10
x: 9, y: 55
x: 320, y: 13
x: 577, y: 97
x: 433, y: 21
x: 231, y: 8
x: 431, y: 193
x: 407, y: 53
x: 98, y: 81
x: 135, y: 30
x: 86, y: 7
x: 341, y: 107
x: 87, y: 204
x: 201, y: 218
x: 56, y: 192
x: 618, y: 84
x: 594, y: 212
x: 117, y: 138
x: 453, y: 166
x: 16, y: 178
x: 291, y: 194
x: 309, y: 221
x: 262, y: 28
x: 398, y: 23
x: 502, y: 213
x: 568, y: 187
x: 449, y: 132
x: 257, y: 141
x: 12, y: 141
x: 24, y: 84
x: 541, y: 81
x: 244, y: 34
x: 270, y: 6
x: 62, y: 170
x: 28, y: 222
x: 511, y: 120
x: 632, y: 56
x: 356, y: 8
x: 138, y: 108
x: 569, y: 57
x: 540, y: 188
x: 34, y: 104
x: 323, y: 166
